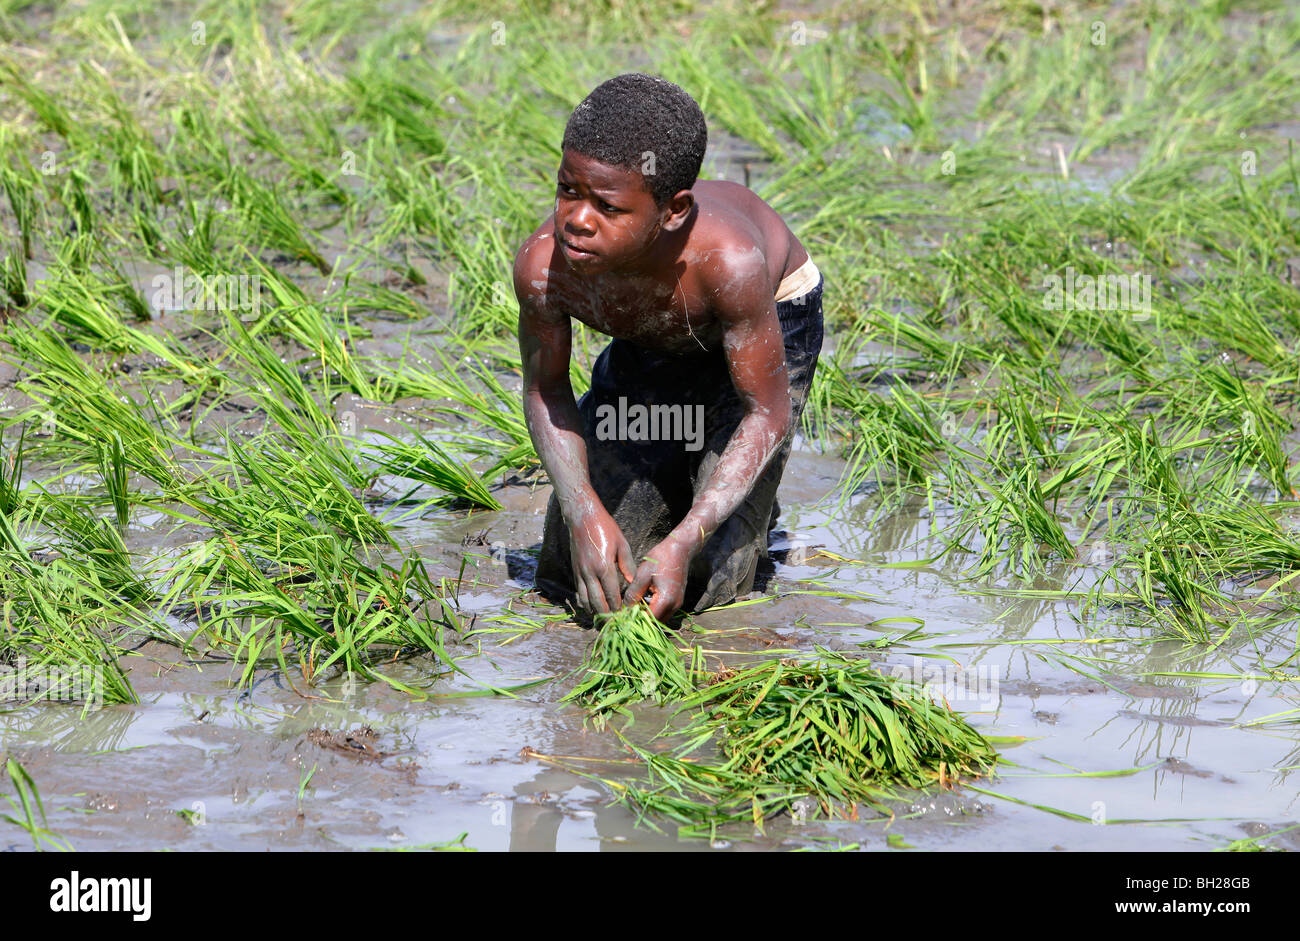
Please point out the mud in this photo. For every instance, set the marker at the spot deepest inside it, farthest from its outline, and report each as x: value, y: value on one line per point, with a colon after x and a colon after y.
x: 200, y: 765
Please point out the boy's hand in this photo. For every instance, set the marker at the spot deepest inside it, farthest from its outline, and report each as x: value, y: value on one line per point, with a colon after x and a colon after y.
x: 600, y: 553
x: 663, y: 576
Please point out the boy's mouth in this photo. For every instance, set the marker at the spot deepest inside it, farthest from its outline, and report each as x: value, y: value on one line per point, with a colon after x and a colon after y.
x: 573, y: 251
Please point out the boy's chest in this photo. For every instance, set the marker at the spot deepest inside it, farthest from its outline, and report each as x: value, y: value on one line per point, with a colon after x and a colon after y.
x: 667, y: 317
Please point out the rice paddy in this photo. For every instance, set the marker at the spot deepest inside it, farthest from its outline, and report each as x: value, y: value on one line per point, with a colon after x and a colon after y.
x: 631, y: 660
x: 834, y: 730
x: 265, y: 466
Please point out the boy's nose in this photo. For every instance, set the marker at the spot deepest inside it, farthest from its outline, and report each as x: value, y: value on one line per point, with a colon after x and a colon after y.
x: 580, y: 220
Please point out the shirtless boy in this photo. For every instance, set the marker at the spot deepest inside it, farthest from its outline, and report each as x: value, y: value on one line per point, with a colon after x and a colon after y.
x: 715, y: 311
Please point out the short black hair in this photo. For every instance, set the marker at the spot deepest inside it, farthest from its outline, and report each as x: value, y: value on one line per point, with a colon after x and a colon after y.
x: 632, y: 116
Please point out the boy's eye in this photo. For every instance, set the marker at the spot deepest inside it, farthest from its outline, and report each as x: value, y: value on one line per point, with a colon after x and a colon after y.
x: 606, y: 207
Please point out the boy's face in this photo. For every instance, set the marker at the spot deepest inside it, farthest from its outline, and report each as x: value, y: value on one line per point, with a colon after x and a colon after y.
x: 605, y: 217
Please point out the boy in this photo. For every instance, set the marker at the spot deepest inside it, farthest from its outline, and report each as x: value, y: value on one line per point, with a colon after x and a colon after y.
x: 715, y: 312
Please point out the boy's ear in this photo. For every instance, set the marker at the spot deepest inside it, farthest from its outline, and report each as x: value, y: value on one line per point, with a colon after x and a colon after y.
x: 677, y: 209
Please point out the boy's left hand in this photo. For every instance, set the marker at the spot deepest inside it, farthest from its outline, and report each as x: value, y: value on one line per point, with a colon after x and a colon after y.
x: 662, y: 576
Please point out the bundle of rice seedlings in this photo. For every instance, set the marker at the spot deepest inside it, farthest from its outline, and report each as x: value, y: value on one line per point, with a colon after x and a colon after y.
x: 835, y: 728
x: 11, y: 473
x: 85, y: 406
x: 632, y: 660
x: 699, y: 796
x: 20, y: 187
x: 13, y: 285
x: 487, y: 402
x: 113, y: 469
x: 91, y: 548
x: 58, y: 614
x: 428, y: 463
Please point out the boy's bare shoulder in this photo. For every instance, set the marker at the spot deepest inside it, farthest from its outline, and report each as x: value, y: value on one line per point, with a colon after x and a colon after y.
x: 533, y: 264
x: 739, y: 243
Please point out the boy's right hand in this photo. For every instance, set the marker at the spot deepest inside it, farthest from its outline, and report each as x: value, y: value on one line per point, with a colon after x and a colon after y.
x: 600, y: 553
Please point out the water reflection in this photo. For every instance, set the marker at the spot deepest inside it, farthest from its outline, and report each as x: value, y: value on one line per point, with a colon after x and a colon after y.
x: 63, y: 728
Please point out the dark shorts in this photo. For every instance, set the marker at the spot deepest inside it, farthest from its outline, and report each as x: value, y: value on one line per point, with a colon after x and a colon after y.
x: 648, y: 486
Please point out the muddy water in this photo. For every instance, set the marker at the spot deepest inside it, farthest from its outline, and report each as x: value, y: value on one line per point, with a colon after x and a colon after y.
x: 252, y: 769
x: 254, y: 772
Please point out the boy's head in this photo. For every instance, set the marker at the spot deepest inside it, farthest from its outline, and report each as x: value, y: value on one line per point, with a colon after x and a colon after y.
x: 643, y: 123
x: 632, y: 152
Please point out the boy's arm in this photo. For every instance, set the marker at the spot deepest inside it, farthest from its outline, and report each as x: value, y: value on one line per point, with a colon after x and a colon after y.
x: 597, y: 546
x: 755, y: 351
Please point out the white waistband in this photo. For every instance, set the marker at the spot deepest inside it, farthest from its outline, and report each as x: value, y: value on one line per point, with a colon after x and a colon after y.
x: 800, y: 281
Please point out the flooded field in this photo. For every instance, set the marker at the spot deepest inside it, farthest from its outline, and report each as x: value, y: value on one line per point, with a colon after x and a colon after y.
x: 1207, y: 770
x: 266, y: 477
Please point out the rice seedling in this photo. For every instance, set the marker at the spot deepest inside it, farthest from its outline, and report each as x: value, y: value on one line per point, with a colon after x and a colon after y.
x: 94, y: 549
x: 13, y: 285
x: 723, y: 93
x: 427, y: 462
x: 113, y: 470
x: 482, y: 263
x: 83, y: 408
x: 11, y: 473
x: 942, y: 356
x: 308, y: 325
x: 488, y: 403
x: 197, y: 235
x: 1231, y: 321
x: 836, y: 727
x: 701, y: 797
x: 264, y: 210
x: 887, y: 433
x: 306, y: 480
x: 291, y: 406
x: 402, y: 112
x: 276, y: 574
x: 1259, y: 427
x: 304, y: 781
x: 631, y: 660
x: 456, y: 845
x: 1181, y: 567
x: 29, y: 797
x: 20, y: 189
x: 52, y: 615
x: 262, y: 134
x: 47, y: 107
x: 793, y: 736
x: 84, y: 223
x: 1256, y: 844
x: 285, y: 566
x: 85, y: 305
x: 363, y: 298
x: 1009, y: 511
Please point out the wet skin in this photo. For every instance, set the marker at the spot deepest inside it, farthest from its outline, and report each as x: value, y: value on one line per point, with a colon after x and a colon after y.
x: 693, y: 276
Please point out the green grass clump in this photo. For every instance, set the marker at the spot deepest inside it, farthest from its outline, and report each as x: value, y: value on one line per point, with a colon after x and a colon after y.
x: 427, y: 462
x: 800, y: 736
x: 28, y: 797
x: 632, y: 660
x: 1255, y: 844
x: 66, y: 610
x: 838, y: 728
